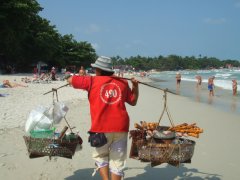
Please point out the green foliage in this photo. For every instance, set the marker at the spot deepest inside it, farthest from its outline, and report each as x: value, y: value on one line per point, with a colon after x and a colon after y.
x: 27, y: 38
x: 173, y: 62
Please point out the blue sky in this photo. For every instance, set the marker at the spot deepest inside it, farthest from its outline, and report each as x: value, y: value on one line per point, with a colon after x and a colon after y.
x: 150, y: 27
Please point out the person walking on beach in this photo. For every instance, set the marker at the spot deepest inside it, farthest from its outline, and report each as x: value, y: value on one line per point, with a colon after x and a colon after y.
x: 53, y: 74
x: 234, y: 87
x: 82, y: 71
x: 107, y: 97
x: 178, y: 79
x: 211, y: 85
x: 199, y: 80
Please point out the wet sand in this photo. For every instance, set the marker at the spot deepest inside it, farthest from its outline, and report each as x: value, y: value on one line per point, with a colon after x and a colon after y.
x: 223, y: 99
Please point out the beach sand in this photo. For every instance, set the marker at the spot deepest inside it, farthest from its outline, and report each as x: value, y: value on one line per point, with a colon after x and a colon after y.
x: 215, y: 156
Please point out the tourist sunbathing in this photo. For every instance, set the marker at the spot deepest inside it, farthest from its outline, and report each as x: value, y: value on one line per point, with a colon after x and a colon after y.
x: 8, y: 84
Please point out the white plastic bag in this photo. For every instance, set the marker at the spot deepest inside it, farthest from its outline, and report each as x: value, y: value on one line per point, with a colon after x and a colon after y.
x: 59, y: 111
x: 38, y: 120
x: 43, y: 117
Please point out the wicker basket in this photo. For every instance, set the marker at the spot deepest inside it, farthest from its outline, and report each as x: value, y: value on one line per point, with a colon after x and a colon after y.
x: 138, y: 138
x: 39, y: 147
x: 179, y: 151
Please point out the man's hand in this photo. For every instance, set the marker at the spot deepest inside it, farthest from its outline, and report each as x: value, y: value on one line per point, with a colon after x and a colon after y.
x: 134, y: 82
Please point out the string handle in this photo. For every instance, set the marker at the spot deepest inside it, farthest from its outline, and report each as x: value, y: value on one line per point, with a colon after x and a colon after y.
x: 54, y: 91
x: 165, y: 108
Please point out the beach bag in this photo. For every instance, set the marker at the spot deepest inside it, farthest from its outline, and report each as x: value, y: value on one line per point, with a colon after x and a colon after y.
x: 97, y: 139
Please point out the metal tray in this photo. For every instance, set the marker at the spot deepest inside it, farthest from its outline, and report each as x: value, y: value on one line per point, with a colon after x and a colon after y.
x: 159, y: 133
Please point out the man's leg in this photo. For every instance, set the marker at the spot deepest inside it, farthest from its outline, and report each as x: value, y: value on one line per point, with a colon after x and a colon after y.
x: 104, y: 172
x: 115, y: 177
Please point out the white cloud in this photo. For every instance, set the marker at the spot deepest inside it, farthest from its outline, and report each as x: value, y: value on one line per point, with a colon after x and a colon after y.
x: 215, y: 21
x: 95, y: 46
x: 92, y: 28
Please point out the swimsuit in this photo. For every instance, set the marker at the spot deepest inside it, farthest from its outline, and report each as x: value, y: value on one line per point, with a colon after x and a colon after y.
x: 210, y: 87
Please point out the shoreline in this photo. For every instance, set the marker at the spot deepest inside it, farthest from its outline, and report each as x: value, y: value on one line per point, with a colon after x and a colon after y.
x: 223, y: 99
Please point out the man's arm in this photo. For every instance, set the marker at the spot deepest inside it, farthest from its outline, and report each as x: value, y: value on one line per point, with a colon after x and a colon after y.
x: 69, y: 79
x: 135, y: 91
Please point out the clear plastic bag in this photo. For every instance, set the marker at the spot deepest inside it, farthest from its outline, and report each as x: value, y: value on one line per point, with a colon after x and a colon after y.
x: 37, y: 119
x: 43, y: 117
x: 59, y: 112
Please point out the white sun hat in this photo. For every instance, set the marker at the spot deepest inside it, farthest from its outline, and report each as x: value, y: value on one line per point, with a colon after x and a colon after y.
x: 103, y: 63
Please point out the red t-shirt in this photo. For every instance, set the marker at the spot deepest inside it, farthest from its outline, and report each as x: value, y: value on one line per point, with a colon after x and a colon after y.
x: 107, y: 97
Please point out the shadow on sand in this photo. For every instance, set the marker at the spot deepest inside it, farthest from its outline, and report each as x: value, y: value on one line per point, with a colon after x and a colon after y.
x: 165, y: 173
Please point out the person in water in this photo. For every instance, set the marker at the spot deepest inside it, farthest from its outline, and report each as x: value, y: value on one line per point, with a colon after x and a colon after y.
x: 234, y: 87
x: 211, y: 85
x: 199, y: 80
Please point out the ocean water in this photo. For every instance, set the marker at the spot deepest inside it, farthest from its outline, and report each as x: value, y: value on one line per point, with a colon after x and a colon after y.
x: 223, y: 98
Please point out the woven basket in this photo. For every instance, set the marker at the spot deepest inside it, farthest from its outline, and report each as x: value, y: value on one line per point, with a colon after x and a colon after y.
x: 39, y: 147
x: 138, y: 138
x: 179, y: 151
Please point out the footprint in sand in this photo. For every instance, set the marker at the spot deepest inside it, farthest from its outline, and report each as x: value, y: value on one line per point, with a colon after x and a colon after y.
x: 2, y: 164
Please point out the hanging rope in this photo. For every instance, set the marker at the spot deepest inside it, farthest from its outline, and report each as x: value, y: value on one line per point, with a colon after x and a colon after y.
x: 165, y: 108
x: 54, y: 91
x: 168, y: 153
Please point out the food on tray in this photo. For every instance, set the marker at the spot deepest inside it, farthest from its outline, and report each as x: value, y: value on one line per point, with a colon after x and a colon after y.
x: 167, y: 132
x: 137, y: 126
x: 185, y: 129
x: 146, y: 126
x: 159, y: 134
